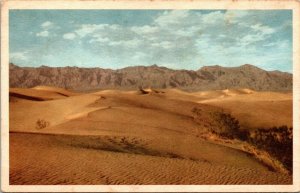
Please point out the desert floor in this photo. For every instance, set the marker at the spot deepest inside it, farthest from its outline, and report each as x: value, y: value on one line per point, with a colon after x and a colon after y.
x: 133, y: 137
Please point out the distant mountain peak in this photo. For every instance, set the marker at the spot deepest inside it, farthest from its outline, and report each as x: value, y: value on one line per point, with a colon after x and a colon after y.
x: 44, y: 66
x: 154, y: 76
x: 249, y: 66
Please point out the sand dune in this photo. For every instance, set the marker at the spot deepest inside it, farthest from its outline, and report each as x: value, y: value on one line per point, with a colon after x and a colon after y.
x: 63, y: 161
x: 35, y: 95
x: 56, y: 90
x: 253, y: 109
x: 25, y: 113
x: 40, y: 93
x: 125, y: 137
x: 258, y: 109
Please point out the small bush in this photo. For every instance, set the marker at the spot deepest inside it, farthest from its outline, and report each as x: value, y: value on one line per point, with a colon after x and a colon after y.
x: 278, y: 141
x: 226, y: 126
x: 40, y: 124
x: 219, y: 123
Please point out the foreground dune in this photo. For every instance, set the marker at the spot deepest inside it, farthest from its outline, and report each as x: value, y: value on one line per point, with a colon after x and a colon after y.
x: 131, y: 137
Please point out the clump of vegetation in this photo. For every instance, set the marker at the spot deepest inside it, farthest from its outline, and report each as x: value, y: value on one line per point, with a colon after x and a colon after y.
x: 228, y: 126
x: 41, y: 123
x: 278, y: 141
x: 220, y: 123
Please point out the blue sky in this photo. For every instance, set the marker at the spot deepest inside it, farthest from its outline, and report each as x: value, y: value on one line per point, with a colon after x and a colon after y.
x: 178, y: 39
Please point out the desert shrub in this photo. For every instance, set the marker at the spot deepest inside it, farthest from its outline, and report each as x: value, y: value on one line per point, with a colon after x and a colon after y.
x: 41, y: 123
x: 278, y: 141
x: 197, y: 112
x: 226, y: 125
x: 220, y: 123
x: 243, y: 135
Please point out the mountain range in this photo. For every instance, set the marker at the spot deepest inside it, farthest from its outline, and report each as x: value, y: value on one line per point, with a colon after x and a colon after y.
x: 206, y: 78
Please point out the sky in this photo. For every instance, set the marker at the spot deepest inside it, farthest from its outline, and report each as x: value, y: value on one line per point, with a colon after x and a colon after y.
x: 177, y: 39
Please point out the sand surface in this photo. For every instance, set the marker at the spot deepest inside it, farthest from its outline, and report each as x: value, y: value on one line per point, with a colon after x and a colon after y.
x: 125, y: 137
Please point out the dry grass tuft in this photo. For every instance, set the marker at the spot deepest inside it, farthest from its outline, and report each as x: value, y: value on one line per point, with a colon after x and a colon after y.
x: 41, y: 124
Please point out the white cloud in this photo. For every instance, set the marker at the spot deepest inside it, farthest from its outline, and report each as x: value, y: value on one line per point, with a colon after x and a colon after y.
x: 251, y: 38
x: 43, y: 34
x: 187, y: 31
x: 280, y: 44
x: 146, y: 29
x: 88, y: 29
x: 222, y: 36
x: 171, y: 17
x: 112, y: 35
x: 163, y: 44
x: 99, y: 39
x: 47, y: 24
x: 263, y: 28
x: 234, y: 16
x: 126, y: 43
x: 69, y: 36
x: 212, y: 17
x: 46, y: 27
x: 18, y: 56
x: 259, y: 33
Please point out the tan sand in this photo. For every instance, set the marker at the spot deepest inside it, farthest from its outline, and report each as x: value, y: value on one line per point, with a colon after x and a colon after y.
x: 128, y: 137
x: 258, y: 109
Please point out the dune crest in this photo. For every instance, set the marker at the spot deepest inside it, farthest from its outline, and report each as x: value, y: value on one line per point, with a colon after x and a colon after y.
x: 55, y: 89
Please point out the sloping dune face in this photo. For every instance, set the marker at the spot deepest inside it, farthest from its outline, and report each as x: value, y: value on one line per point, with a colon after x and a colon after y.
x: 258, y: 109
x: 114, y: 137
x: 39, y: 93
x: 252, y: 109
x: 55, y: 90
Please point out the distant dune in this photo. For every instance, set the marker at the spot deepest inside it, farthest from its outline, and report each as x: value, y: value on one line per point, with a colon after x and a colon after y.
x: 40, y: 93
x: 145, y: 136
x: 206, y: 78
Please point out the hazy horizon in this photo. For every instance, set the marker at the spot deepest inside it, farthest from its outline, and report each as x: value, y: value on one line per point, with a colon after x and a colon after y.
x: 176, y: 39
